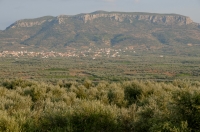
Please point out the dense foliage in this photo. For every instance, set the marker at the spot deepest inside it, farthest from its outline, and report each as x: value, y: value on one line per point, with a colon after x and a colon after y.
x: 137, y: 106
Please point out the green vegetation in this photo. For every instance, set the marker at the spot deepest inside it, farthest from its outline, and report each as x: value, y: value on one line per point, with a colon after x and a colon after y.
x: 135, y: 92
x: 122, y: 72
x: 130, y: 65
x: 90, y: 106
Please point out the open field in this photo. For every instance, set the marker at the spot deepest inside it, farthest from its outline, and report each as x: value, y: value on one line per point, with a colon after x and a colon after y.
x: 125, y: 67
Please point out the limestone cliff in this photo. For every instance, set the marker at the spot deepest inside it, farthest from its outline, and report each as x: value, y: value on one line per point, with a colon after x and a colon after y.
x: 30, y: 22
x: 27, y: 24
x: 167, y: 19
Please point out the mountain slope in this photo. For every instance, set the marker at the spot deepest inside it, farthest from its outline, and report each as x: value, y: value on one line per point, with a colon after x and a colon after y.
x: 103, y: 29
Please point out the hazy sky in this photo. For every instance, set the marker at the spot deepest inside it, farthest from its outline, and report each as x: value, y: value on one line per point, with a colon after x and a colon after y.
x: 13, y: 10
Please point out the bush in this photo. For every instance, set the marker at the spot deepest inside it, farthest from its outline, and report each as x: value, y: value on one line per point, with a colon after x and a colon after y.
x: 13, y: 84
x: 8, y: 123
x: 132, y: 92
x: 187, y: 107
x: 94, y: 116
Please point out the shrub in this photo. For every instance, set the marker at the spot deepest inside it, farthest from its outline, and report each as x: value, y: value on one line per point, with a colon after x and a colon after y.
x: 12, y: 84
x: 8, y: 123
x: 187, y: 107
x: 94, y: 116
x: 132, y: 92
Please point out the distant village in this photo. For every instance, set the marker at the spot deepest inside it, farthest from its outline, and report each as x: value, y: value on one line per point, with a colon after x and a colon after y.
x: 94, y: 53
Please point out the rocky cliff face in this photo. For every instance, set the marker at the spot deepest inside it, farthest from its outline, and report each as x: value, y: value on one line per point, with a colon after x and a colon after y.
x: 168, y: 19
x: 30, y: 22
x: 27, y: 24
x: 158, y: 19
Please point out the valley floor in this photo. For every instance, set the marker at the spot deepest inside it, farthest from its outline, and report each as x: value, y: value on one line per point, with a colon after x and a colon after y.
x: 134, y: 93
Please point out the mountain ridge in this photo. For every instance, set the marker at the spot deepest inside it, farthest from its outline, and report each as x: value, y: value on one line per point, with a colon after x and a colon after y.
x: 153, y: 17
x: 101, y: 28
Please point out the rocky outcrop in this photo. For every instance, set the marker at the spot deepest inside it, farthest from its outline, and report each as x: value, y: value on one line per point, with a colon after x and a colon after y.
x: 22, y: 23
x: 62, y: 19
x: 90, y: 17
x: 120, y: 17
x: 30, y: 22
x: 168, y: 19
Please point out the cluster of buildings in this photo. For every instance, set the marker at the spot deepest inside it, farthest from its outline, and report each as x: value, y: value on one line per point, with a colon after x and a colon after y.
x: 94, y: 53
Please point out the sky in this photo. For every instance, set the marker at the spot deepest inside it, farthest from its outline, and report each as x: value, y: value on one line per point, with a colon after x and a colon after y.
x: 13, y: 10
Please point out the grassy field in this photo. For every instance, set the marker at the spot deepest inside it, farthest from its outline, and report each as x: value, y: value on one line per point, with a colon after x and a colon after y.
x: 129, y: 67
